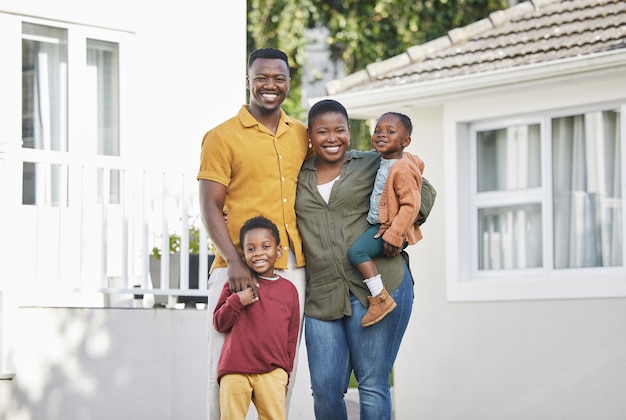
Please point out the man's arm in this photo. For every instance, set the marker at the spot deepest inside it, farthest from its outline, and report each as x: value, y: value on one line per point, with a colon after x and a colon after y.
x: 212, y: 198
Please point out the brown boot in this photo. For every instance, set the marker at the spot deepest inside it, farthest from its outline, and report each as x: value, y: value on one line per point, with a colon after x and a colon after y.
x: 380, y: 306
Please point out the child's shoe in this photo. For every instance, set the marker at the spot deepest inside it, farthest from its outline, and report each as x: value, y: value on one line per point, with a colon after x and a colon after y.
x: 380, y: 306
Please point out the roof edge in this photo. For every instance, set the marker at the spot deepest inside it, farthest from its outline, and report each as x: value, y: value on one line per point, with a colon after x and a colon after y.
x: 421, y: 51
x: 358, y: 103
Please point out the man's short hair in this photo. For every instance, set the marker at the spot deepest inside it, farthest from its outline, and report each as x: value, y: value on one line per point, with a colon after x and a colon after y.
x: 267, y: 53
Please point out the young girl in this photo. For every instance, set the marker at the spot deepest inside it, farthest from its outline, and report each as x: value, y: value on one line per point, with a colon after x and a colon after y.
x: 394, y: 209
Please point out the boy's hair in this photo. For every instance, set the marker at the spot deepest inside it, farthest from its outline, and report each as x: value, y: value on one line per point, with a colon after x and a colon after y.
x: 406, y: 121
x: 324, y: 106
x: 256, y: 223
x: 267, y: 53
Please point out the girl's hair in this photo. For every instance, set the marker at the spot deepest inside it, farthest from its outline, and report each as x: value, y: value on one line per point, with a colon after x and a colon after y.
x: 404, y: 120
x: 325, y: 106
x: 259, y: 222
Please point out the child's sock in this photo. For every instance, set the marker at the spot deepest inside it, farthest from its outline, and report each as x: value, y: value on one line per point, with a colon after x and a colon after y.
x: 375, y: 284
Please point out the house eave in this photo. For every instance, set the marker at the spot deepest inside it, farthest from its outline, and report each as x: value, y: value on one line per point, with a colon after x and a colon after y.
x: 366, y: 104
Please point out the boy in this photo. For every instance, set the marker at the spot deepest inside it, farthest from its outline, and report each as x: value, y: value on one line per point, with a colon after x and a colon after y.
x: 261, y: 332
x: 394, y: 208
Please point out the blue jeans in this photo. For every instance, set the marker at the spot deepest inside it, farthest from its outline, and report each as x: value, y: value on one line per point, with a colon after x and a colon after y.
x: 335, y: 348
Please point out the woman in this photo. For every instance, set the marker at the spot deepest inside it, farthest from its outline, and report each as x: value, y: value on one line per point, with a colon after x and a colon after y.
x: 332, y: 202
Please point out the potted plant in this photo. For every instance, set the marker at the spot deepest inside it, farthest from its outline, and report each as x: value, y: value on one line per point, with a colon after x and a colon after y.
x: 174, y: 251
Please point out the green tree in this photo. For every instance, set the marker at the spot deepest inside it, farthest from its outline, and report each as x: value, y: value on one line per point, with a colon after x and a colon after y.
x: 366, y: 31
x: 282, y: 24
x: 361, y: 32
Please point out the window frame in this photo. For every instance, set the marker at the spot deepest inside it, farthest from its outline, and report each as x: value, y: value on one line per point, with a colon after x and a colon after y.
x: 79, y: 150
x: 499, y: 199
x: 466, y: 282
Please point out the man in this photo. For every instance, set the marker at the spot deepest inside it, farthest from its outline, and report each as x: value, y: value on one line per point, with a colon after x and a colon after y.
x: 250, y: 163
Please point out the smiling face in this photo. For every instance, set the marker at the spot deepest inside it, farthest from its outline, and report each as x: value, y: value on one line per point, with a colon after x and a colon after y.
x: 390, y: 137
x: 330, y: 136
x: 260, y: 251
x: 268, y: 83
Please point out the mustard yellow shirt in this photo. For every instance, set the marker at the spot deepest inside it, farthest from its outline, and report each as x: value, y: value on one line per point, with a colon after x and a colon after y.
x: 260, y: 172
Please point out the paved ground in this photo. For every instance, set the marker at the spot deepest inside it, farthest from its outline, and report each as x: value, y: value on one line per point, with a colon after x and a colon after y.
x: 352, y: 403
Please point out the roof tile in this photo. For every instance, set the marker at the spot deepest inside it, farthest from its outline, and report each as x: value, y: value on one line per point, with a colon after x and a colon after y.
x: 527, y: 33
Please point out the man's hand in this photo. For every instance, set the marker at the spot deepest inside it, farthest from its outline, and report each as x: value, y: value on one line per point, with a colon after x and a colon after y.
x: 240, y: 277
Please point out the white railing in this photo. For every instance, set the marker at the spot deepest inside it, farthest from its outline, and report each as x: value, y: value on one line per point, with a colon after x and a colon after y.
x: 89, y: 239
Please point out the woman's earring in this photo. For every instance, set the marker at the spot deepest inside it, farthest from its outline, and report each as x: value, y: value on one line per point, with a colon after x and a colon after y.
x: 310, y: 145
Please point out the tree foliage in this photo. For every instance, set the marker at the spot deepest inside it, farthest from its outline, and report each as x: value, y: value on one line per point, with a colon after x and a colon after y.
x: 361, y: 31
x: 282, y: 24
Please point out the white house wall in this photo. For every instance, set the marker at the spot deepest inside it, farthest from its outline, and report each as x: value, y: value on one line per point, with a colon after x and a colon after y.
x: 511, y: 359
x: 184, y: 66
x: 190, y: 62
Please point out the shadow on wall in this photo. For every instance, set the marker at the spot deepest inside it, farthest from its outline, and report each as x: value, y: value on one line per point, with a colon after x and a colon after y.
x: 108, y: 363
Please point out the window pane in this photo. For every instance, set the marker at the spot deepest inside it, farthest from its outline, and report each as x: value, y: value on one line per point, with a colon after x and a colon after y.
x: 509, y: 158
x: 510, y: 237
x: 109, y: 184
x: 51, y: 181
x: 44, y: 87
x: 102, y: 67
x: 587, y: 190
x: 28, y: 183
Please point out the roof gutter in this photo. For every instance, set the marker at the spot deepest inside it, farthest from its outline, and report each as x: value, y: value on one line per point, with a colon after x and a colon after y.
x: 365, y: 104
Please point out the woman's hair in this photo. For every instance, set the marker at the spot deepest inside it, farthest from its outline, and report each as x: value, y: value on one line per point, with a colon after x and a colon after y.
x: 259, y: 222
x: 325, y: 106
x: 404, y: 120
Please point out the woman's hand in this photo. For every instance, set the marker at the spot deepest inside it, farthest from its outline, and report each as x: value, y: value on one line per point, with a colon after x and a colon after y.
x: 390, y: 250
x: 380, y: 232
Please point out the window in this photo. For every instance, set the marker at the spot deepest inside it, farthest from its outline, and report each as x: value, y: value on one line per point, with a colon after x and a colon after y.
x: 545, y: 203
x: 44, y: 108
x: 46, y: 122
x: 102, y: 65
x: 586, y: 191
x: 509, y: 161
x: 44, y: 87
x: 103, y: 75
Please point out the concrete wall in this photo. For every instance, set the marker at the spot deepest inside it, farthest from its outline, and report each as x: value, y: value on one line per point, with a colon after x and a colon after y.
x: 109, y: 363
x: 123, y: 364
